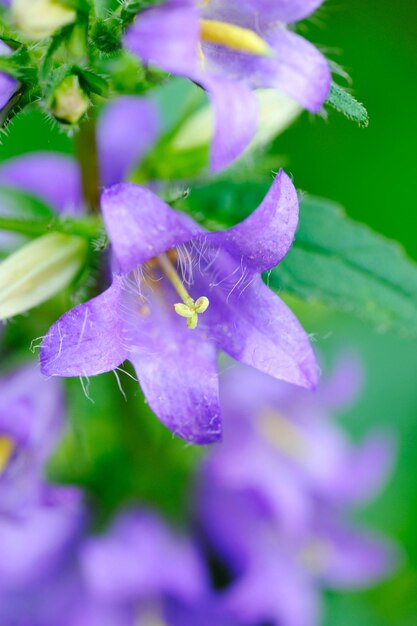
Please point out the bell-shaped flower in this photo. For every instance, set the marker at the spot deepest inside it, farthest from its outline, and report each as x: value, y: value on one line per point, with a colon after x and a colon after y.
x: 229, y: 49
x: 285, y: 431
x: 181, y: 294
x: 300, y: 474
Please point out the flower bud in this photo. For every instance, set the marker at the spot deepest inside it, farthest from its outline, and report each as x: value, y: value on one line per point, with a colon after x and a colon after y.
x: 38, y: 271
x: 38, y: 19
x: 69, y: 102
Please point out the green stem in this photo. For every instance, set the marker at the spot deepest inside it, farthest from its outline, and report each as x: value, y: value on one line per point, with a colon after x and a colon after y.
x: 87, y: 155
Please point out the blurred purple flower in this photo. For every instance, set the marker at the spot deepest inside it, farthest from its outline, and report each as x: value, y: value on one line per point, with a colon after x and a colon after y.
x: 31, y: 420
x: 284, y: 431
x: 231, y: 48
x: 287, y: 474
x: 8, y: 85
x: 163, y: 257
x: 39, y: 522
x: 139, y: 561
x: 123, y: 577
x: 127, y: 129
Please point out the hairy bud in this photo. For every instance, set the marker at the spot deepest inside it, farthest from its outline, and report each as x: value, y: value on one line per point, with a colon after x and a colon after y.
x: 69, y: 101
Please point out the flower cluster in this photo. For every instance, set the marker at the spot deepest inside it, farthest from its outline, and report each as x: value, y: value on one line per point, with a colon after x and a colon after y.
x: 287, y: 495
x: 138, y: 276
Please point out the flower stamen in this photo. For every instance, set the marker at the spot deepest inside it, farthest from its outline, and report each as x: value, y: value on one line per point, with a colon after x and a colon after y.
x: 188, y: 308
x: 234, y: 37
x: 7, y: 447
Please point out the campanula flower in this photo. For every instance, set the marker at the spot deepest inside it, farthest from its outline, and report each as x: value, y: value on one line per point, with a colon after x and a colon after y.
x: 290, y: 495
x: 229, y: 49
x: 284, y: 431
x: 140, y: 561
x: 39, y: 522
x: 123, y: 577
x: 181, y: 294
x: 8, y: 85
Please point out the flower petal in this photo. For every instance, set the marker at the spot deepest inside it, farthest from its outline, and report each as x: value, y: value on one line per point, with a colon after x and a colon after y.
x: 252, y: 13
x: 368, y: 468
x: 87, y: 340
x: 354, y: 559
x: 251, y: 324
x: 167, y: 36
x: 141, y: 557
x: 297, y: 69
x: 236, y: 117
x: 55, y: 178
x: 127, y: 128
x: 8, y: 85
x: 140, y: 225
x: 263, y: 239
x: 36, y: 544
x: 176, y: 366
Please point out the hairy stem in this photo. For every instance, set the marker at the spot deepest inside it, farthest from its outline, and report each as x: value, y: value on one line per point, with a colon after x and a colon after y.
x: 87, y: 155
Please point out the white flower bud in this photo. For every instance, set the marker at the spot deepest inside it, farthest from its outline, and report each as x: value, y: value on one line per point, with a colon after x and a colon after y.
x: 69, y: 102
x: 38, y: 19
x: 38, y: 271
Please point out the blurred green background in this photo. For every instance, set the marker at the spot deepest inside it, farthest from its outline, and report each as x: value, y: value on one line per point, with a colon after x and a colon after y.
x: 373, y: 174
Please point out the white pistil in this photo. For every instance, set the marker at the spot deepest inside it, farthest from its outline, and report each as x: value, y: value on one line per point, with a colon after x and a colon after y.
x: 188, y: 308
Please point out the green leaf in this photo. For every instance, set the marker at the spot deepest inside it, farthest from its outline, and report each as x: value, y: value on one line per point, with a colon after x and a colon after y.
x: 348, y: 267
x: 345, y: 103
x: 22, y: 206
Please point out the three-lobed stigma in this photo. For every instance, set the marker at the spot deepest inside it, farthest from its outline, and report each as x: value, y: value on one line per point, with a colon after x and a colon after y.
x: 188, y: 308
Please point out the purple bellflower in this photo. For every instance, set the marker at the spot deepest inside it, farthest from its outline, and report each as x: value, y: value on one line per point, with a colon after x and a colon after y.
x: 123, y: 577
x: 39, y: 522
x: 229, y: 49
x: 299, y: 475
x: 283, y: 431
x: 140, y: 563
x: 169, y: 269
x: 8, y: 85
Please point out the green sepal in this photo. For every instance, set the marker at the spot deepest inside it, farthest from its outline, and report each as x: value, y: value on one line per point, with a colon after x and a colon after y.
x: 91, y: 82
x: 18, y: 64
x: 106, y: 36
x: 345, y: 103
